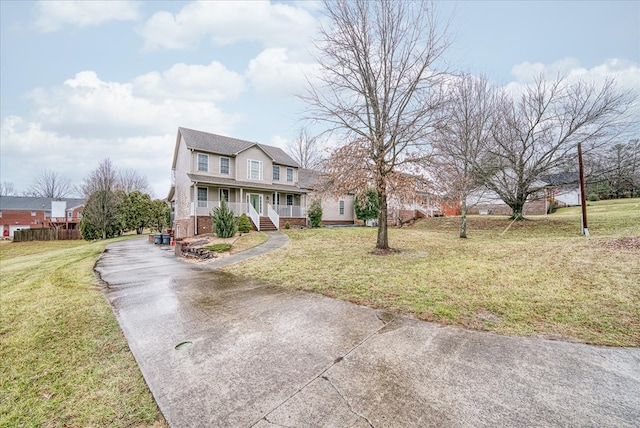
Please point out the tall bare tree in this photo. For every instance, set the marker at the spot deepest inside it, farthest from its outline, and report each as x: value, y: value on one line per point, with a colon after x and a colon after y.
x: 541, y: 128
x: 104, y: 177
x: 100, y: 217
x: 378, y: 86
x: 7, y: 189
x: 305, y: 149
x: 130, y: 180
x: 462, y: 140
x: 49, y: 184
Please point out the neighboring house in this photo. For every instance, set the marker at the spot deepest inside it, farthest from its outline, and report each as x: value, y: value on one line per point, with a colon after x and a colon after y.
x: 21, y: 212
x: 335, y: 211
x: 561, y: 190
x: 259, y: 180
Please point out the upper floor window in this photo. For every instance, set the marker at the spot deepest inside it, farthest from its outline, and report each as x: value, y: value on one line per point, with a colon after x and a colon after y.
x: 203, y: 162
x: 202, y: 197
x: 276, y: 173
x: 224, y: 195
x: 341, y: 207
x: 290, y: 175
x: 69, y: 214
x: 254, y: 169
x: 0, y: 214
x: 33, y: 213
x: 224, y: 165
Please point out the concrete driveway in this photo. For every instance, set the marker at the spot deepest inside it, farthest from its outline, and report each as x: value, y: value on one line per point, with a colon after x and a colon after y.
x: 262, y: 356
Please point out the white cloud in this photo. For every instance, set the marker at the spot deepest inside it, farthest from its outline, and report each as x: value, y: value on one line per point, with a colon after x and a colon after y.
x: 86, y: 119
x: 54, y: 15
x: 274, y: 72
x: 76, y: 157
x: 211, y: 82
x: 229, y: 22
x: 87, y: 105
x: 625, y: 72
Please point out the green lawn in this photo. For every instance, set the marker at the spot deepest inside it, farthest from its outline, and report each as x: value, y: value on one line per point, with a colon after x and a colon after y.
x: 533, y: 278
x: 63, y: 358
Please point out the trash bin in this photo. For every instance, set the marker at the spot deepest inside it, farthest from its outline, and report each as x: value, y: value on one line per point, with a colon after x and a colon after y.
x: 157, y: 239
x: 166, y: 239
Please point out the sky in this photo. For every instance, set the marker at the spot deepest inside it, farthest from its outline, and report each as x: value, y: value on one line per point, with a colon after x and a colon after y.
x: 89, y: 80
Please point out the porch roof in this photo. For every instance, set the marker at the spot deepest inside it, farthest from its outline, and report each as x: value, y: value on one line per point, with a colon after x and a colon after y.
x: 231, y: 183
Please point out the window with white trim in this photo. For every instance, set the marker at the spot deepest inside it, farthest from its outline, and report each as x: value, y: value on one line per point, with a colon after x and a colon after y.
x: 254, y: 169
x: 33, y: 213
x: 202, y: 197
x: 224, y: 195
x: 224, y: 165
x: 341, y: 204
x: 290, y: 175
x: 289, y: 200
x: 276, y: 173
x: 203, y: 162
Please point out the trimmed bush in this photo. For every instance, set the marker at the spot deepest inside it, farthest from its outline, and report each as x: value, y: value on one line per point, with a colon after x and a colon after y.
x: 223, y: 221
x: 244, y: 225
x: 315, y: 213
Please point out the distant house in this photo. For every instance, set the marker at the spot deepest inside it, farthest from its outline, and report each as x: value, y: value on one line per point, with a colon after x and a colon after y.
x: 259, y: 180
x: 21, y: 212
x: 558, y: 190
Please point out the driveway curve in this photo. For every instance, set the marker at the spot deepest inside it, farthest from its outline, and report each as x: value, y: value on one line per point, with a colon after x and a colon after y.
x: 221, y: 350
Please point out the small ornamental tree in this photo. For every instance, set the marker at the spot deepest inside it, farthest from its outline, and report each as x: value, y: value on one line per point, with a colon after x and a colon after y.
x: 244, y: 225
x: 367, y: 205
x: 223, y: 221
x: 315, y: 213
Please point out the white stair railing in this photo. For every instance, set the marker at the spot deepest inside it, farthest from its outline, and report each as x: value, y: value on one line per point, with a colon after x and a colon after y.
x: 273, y: 216
x: 255, y: 218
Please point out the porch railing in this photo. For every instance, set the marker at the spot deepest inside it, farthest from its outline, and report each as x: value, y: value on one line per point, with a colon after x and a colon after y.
x: 290, y: 211
x: 273, y: 216
x: 239, y: 208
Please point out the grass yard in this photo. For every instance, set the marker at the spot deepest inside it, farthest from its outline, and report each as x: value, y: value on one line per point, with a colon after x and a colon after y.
x: 533, y: 278
x: 63, y: 358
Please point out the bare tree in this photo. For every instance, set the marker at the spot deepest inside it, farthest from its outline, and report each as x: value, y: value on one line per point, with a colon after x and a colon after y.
x: 378, y: 86
x: 130, y: 180
x: 7, y: 189
x: 100, y: 214
x: 540, y: 130
x: 49, y: 184
x: 305, y: 149
x: 614, y: 170
x: 462, y: 141
x: 104, y: 177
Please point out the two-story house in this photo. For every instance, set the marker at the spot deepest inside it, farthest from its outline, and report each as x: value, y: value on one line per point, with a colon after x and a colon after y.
x: 252, y: 178
x: 25, y: 212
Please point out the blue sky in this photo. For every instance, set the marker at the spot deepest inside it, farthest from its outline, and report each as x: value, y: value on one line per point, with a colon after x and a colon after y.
x: 82, y: 81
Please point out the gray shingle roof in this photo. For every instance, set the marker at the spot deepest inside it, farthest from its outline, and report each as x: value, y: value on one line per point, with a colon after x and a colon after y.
x: 28, y: 203
x: 207, y: 179
x: 228, y: 146
x: 308, y: 178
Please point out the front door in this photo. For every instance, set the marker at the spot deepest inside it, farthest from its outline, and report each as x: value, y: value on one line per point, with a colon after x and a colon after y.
x: 256, y: 202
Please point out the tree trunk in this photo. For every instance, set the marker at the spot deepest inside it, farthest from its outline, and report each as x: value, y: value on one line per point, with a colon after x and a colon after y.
x: 383, y: 238
x: 516, y: 210
x: 463, y: 214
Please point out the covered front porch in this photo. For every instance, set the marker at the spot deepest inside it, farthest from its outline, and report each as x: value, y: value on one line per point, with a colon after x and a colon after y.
x: 267, y: 208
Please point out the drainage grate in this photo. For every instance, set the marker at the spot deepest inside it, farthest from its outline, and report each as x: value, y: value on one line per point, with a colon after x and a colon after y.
x: 183, y: 345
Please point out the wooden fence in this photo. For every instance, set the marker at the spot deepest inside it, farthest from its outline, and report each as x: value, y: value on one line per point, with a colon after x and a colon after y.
x: 42, y: 234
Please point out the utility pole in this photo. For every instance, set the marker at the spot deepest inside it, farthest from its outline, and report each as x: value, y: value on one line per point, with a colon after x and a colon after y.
x: 583, y: 198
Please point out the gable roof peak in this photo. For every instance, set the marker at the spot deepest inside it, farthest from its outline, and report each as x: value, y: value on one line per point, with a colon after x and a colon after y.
x: 214, y: 143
